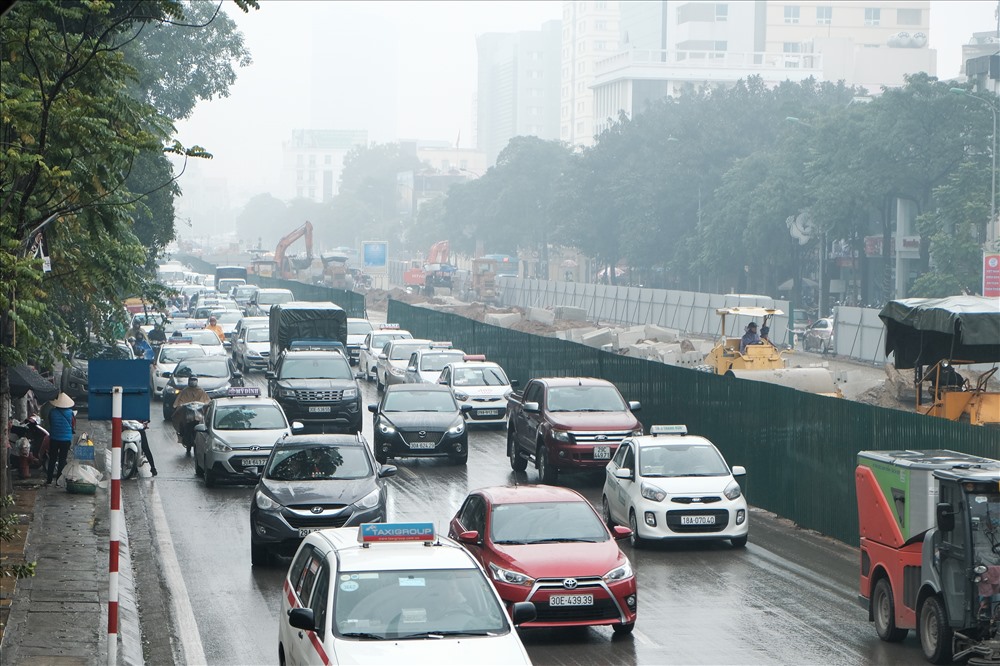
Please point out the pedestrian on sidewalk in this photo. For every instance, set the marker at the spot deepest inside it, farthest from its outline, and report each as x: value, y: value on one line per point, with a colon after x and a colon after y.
x: 60, y: 435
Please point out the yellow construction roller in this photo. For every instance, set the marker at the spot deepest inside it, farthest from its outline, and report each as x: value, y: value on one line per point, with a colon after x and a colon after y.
x: 811, y: 380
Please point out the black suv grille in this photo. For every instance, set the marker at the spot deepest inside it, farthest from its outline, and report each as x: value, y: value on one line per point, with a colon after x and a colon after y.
x: 318, y: 396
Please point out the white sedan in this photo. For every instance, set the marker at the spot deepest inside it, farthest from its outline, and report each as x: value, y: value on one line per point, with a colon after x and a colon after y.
x: 671, y: 485
x: 167, y: 358
x: 205, y: 338
x: 480, y: 384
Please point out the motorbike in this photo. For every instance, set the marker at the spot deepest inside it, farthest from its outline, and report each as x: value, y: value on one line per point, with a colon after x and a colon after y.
x: 29, y: 445
x: 132, y: 458
x: 185, y: 418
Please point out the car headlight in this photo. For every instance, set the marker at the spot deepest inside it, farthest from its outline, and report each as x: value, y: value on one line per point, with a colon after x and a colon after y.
x: 637, y: 432
x: 560, y: 435
x: 461, y: 397
x: 386, y: 429
x: 170, y: 389
x: 350, y: 393
x: 393, y: 370
x: 266, y: 503
x: 651, y: 492
x: 370, y: 500
x: 624, y: 572
x: 457, y: 429
x: 252, y: 353
x: 286, y: 393
x: 510, y: 577
x: 733, y: 490
x: 220, y: 446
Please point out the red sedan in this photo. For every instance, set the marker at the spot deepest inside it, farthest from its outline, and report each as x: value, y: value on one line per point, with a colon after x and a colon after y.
x: 547, y: 545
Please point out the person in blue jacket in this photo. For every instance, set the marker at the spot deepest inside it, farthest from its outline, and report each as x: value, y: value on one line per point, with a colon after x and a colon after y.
x: 60, y: 435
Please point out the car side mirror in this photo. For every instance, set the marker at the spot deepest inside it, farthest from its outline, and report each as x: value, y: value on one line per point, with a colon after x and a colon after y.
x: 624, y: 473
x: 302, y: 618
x: 167, y: 374
x: 269, y: 374
x: 237, y: 375
x: 620, y: 532
x: 514, y: 383
x: 470, y: 537
x: 531, y: 407
x: 373, y: 408
x: 634, y: 405
x: 465, y: 408
x: 200, y: 428
x: 411, y: 368
x: 359, y: 375
x: 298, y: 426
x: 945, y: 517
x: 386, y: 471
x: 382, y: 357
x: 739, y: 470
x: 523, y: 611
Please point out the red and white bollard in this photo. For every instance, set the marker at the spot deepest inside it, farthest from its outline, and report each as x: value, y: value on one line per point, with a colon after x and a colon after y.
x: 115, y: 522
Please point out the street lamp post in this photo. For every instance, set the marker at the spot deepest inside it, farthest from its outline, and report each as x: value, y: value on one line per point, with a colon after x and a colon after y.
x: 821, y: 295
x: 991, y: 230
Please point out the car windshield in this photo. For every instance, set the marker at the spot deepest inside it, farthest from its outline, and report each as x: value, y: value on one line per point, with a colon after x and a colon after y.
x: 419, y: 401
x: 984, y: 511
x: 201, y: 336
x: 436, y: 361
x: 378, y: 341
x: 585, y: 399
x: 244, y: 292
x: 358, y: 327
x: 249, y: 417
x: 258, y: 335
x: 317, y: 368
x: 229, y: 316
x: 321, y: 461
x: 546, y: 522
x: 207, y: 368
x: 486, y: 376
x: 674, y: 460
x: 415, y: 603
x: 175, y: 354
x: 402, y: 352
x: 274, y: 298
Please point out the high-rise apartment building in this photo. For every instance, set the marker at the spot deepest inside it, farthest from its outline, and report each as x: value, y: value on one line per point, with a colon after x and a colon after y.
x: 313, y: 160
x: 518, y: 87
x: 590, y: 33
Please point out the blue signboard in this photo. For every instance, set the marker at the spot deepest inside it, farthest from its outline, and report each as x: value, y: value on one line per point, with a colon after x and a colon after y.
x: 131, y: 375
x: 375, y: 532
x: 375, y: 256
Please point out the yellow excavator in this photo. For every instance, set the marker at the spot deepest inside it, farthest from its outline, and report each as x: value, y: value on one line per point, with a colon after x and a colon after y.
x: 764, y: 362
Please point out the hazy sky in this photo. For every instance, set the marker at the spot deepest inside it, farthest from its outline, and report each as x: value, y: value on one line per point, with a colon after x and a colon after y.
x: 308, y: 56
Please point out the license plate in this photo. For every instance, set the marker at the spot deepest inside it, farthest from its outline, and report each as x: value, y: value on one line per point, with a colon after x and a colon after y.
x: 488, y: 412
x: 254, y: 462
x: 697, y: 520
x: 571, y: 600
x: 602, y: 453
x: 317, y: 409
x: 422, y: 445
x: 305, y: 531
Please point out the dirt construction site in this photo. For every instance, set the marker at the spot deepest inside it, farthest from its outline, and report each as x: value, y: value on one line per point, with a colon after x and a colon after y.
x: 883, y: 386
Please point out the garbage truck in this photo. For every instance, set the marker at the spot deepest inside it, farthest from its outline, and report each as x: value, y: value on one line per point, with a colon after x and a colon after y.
x: 930, y: 551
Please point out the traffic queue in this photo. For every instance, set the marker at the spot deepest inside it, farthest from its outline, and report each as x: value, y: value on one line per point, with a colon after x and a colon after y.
x: 362, y: 588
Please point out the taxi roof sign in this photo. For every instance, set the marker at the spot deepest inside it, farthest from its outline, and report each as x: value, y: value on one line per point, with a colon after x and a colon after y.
x: 668, y: 430
x: 179, y: 339
x: 388, y: 327
x: 369, y: 533
x: 440, y: 344
x: 238, y: 391
x: 474, y: 357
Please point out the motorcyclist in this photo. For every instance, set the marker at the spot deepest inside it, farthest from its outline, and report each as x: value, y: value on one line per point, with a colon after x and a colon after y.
x: 190, y: 394
x: 213, y: 325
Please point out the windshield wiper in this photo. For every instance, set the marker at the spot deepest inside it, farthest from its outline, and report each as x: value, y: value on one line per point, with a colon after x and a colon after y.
x: 563, y: 540
x: 510, y: 542
x: 442, y: 634
x: 364, y: 635
x: 586, y: 409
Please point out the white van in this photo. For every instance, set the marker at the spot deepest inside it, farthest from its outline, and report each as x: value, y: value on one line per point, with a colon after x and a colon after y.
x: 393, y: 593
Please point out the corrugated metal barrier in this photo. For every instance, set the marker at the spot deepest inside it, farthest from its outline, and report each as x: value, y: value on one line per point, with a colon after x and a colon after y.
x: 799, y: 449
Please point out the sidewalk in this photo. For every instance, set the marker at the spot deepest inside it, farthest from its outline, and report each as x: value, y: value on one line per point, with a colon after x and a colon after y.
x: 60, y: 615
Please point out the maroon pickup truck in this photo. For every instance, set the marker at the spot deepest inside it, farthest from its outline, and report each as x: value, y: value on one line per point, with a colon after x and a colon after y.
x: 567, y: 422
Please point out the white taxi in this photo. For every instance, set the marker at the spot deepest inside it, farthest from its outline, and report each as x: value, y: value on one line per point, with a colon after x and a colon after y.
x: 393, y: 593
x: 372, y: 345
x: 167, y: 357
x: 480, y: 384
x: 671, y: 485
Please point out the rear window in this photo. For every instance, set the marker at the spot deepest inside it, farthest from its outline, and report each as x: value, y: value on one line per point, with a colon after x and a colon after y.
x: 170, y: 354
x: 317, y: 463
x: 358, y: 327
x: 274, y: 298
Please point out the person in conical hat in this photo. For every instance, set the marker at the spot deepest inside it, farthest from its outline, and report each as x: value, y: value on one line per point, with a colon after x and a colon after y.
x: 61, y: 422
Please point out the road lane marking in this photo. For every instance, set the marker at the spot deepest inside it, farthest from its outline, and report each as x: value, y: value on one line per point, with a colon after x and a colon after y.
x: 187, y: 627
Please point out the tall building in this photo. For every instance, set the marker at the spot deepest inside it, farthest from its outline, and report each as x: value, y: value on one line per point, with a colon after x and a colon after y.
x: 590, y: 33
x: 313, y: 160
x: 518, y: 87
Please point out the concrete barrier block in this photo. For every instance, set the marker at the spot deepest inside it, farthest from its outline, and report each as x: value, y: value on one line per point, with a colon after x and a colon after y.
x: 571, y: 313
x: 547, y: 317
x: 503, y: 319
x: 629, y: 336
x: 598, y: 338
x: 660, y: 334
x: 576, y: 334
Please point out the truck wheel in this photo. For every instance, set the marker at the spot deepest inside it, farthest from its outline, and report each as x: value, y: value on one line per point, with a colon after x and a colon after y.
x: 935, y: 634
x: 547, y: 472
x: 884, y: 610
x: 517, y: 463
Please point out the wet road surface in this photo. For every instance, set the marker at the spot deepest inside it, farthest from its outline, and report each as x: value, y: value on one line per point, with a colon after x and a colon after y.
x: 789, y: 597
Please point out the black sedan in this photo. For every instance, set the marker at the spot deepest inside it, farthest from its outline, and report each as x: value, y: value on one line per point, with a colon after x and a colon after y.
x: 420, y: 420
x: 314, y: 482
x: 215, y: 375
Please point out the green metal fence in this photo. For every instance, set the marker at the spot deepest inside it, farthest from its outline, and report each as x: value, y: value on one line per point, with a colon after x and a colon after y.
x: 799, y: 449
x: 352, y: 302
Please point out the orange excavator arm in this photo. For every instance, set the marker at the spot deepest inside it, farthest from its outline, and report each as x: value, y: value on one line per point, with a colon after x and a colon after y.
x: 286, y: 242
x: 439, y: 253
